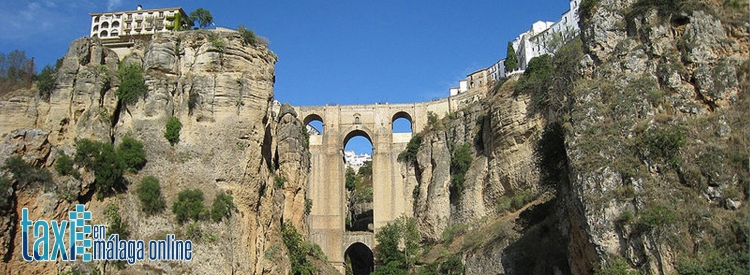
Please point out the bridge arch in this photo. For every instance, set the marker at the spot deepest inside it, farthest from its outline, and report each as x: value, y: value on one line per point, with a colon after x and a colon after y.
x: 401, y: 115
x: 315, y: 121
x: 359, y: 258
x: 355, y: 132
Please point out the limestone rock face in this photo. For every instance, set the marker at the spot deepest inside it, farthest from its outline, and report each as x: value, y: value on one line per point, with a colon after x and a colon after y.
x: 694, y: 58
x: 221, y: 91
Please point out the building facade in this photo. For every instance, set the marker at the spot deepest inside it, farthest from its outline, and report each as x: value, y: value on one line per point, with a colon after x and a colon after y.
x: 122, y: 26
x: 543, y: 38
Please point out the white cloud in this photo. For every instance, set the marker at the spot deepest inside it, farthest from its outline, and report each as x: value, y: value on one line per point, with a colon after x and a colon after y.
x: 112, y: 4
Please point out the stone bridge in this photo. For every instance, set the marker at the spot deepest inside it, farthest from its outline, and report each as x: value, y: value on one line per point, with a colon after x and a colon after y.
x: 327, y: 184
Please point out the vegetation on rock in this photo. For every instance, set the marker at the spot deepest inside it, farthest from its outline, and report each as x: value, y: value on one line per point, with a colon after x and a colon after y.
x: 460, y: 161
x: 149, y: 193
x: 409, y: 155
x: 189, y: 205
x: 201, y: 17
x: 109, y: 164
x: 300, y: 251
x: 398, y: 246
x: 511, y: 59
x: 132, y: 84
x: 172, y: 133
x: 222, y: 207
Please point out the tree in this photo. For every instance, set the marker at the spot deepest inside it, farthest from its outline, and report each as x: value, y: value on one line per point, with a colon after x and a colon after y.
x: 46, y: 82
x: 173, y: 131
x: 222, y: 207
x: 132, y: 86
x: 202, y: 16
x: 16, y: 71
x: 350, y: 178
x: 298, y: 251
x: 460, y: 162
x: 108, y: 171
x: 131, y: 153
x: 398, y: 246
x: 189, y: 205
x: 511, y: 59
x: 149, y: 193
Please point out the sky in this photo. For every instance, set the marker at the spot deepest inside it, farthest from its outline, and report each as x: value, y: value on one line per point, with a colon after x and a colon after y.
x: 330, y: 52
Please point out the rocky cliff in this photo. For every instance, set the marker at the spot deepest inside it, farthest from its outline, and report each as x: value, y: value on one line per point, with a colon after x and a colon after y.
x: 632, y: 156
x: 220, y: 89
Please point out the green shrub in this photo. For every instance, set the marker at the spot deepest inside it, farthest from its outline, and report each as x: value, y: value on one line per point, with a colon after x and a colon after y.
x: 109, y: 164
x: 130, y: 152
x: 115, y: 223
x: 663, y: 144
x: 398, y: 245
x: 5, y: 184
x: 518, y: 200
x: 279, y: 181
x: 298, y: 251
x: 116, y: 226
x: 586, y: 9
x: 25, y: 174
x: 189, y: 205
x: 64, y: 165
x: 149, y: 192
x: 615, y: 266
x: 714, y: 262
x: 218, y: 43
x: 410, y: 154
x: 132, y: 84
x: 173, y: 131
x: 194, y: 232
x: 511, y: 59
x: 429, y: 269
x: 108, y: 171
x: 222, y: 207
x: 657, y: 217
x: 45, y: 82
x: 460, y: 162
x: 452, y: 265
x: 472, y: 240
x: 308, y: 206
x: 350, y: 179
x: 537, y: 79
x: 305, y: 137
x: 452, y: 231
x: 433, y: 121
x: 364, y: 194
x: 248, y: 36
x: 366, y: 169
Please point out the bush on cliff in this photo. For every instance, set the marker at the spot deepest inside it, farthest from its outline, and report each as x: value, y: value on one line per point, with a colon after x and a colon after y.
x: 173, y: 131
x: 149, y: 193
x: 189, y: 205
x: 132, y: 85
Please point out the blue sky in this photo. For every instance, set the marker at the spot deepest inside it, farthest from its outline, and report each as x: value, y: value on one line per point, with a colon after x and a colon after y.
x: 330, y: 52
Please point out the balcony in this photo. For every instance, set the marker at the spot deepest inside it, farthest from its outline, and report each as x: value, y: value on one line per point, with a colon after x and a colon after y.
x: 139, y: 18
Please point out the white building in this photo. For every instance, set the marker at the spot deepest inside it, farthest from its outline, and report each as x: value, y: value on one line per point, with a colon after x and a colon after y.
x: 543, y: 38
x: 355, y: 161
x: 121, y: 26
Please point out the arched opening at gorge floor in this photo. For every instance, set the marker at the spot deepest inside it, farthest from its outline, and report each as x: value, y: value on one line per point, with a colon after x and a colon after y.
x: 359, y: 259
